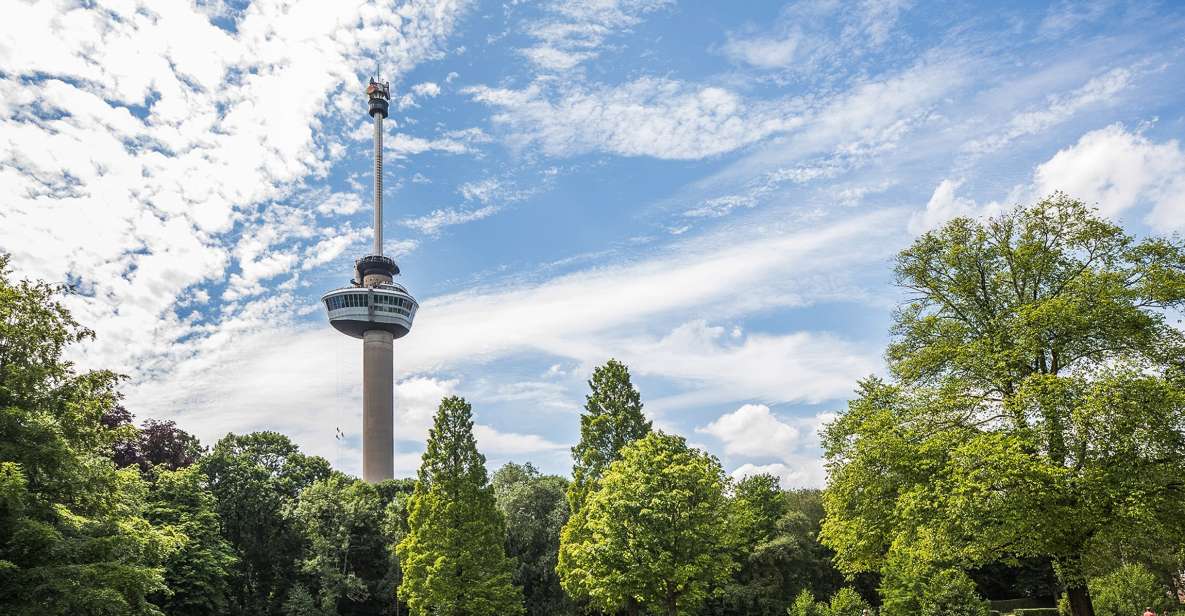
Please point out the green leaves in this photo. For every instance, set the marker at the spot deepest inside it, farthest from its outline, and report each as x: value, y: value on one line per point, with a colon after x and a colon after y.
x: 656, y: 531
x: 1037, y: 408
x: 453, y: 557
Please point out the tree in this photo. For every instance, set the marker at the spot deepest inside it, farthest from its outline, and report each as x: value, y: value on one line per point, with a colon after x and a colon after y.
x: 535, y: 509
x: 656, y: 526
x: 157, y: 443
x: 611, y: 420
x: 348, y: 562
x: 453, y: 557
x: 255, y: 479
x: 197, y: 574
x: 1037, y: 406
x: 73, y: 535
x: 847, y: 602
x: 762, y: 551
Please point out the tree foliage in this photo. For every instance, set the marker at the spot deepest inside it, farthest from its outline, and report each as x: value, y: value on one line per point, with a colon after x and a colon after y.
x: 1130, y: 589
x: 74, y: 538
x: 255, y: 479
x: 197, y: 574
x: 453, y: 556
x: 1038, y: 402
x: 657, y: 531
x: 349, y: 563
x: 535, y: 509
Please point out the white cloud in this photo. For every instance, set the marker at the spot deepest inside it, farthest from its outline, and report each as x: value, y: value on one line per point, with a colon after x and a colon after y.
x: 805, y: 472
x: 1101, y: 89
x: 655, y: 117
x: 1112, y: 168
x: 753, y: 431
x: 142, y: 151
x: 810, y: 36
x: 1117, y: 170
x: 945, y: 205
x: 575, y: 31
x: 435, y: 221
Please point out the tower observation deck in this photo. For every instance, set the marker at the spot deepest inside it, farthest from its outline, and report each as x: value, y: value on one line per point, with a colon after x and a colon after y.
x: 377, y: 310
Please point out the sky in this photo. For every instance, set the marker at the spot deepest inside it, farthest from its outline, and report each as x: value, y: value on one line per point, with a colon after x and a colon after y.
x: 712, y: 193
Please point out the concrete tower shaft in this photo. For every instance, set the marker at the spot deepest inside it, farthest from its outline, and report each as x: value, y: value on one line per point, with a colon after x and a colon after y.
x: 378, y: 406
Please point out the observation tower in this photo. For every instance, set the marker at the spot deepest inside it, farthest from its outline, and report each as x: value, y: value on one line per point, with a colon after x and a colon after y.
x: 377, y: 310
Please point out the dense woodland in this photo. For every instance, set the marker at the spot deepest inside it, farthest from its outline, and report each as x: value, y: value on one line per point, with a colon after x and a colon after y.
x: 1028, y: 444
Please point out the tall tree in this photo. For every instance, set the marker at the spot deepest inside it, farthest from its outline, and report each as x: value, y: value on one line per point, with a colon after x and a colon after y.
x: 198, y: 574
x: 535, y: 508
x: 453, y: 557
x: 657, y: 526
x: 1038, y: 406
x: 612, y: 419
x: 256, y: 479
x: 73, y: 536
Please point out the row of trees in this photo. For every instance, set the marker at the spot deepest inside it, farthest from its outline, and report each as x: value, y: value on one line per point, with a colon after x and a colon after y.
x: 99, y: 516
x: 1029, y: 441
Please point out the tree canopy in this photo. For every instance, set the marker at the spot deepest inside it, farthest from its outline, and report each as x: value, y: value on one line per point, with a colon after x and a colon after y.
x: 1037, y: 407
x: 657, y: 527
x: 453, y: 556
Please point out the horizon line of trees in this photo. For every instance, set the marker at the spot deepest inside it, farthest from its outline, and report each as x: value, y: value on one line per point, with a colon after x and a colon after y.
x: 1029, y: 442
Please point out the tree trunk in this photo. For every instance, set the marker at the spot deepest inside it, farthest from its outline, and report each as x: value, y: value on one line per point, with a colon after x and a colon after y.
x: 631, y: 607
x: 1080, y: 604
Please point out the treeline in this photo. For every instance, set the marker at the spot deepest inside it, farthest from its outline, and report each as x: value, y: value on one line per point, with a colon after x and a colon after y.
x: 1028, y: 445
x: 99, y: 516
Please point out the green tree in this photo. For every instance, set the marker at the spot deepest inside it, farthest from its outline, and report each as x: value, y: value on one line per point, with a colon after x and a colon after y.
x: 1129, y: 590
x: 611, y: 420
x: 847, y: 602
x: 535, y: 509
x: 762, y: 548
x: 453, y: 557
x: 1038, y: 400
x: 348, y: 562
x: 73, y: 535
x: 255, y: 479
x: 657, y: 531
x: 805, y: 605
x: 197, y: 574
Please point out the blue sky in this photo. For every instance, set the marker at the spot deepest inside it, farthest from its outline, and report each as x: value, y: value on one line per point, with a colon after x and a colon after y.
x: 710, y: 192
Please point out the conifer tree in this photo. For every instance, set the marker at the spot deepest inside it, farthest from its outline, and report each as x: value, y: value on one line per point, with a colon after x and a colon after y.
x: 612, y: 419
x: 453, y: 557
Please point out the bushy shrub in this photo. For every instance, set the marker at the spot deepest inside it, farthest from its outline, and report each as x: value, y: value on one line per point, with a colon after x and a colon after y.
x: 1037, y: 611
x: 847, y: 602
x: 1128, y: 590
x: 805, y: 605
x: 951, y: 593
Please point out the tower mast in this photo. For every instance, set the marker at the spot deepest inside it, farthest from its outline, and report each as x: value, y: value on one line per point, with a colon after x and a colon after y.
x: 377, y: 310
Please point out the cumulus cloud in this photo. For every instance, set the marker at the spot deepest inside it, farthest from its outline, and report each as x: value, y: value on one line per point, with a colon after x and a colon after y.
x: 1119, y: 169
x: 753, y: 431
x: 804, y: 472
x: 1112, y: 168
